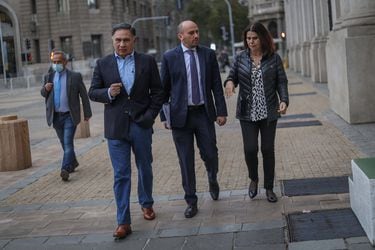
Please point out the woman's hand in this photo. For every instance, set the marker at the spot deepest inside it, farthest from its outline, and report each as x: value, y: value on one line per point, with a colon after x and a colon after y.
x: 282, y: 108
x: 229, y: 89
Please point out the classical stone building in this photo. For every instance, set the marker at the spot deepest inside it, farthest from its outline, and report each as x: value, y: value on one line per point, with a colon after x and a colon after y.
x: 333, y: 41
x: 82, y: 28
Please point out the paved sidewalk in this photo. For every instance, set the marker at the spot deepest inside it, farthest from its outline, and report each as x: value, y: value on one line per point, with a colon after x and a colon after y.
x: 38, y: 210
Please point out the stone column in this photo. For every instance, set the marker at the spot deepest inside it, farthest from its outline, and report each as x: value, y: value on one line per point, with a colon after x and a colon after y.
x: 289, y: 33
x: 350, y: 62
x: 319, y: 42
x: 308, y: 33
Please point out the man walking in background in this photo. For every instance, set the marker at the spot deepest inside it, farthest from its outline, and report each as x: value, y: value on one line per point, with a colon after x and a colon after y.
x: 61, y: 90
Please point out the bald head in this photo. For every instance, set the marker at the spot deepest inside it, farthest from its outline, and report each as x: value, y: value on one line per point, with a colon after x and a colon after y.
x: 184, y: 24
x: 188, y: 34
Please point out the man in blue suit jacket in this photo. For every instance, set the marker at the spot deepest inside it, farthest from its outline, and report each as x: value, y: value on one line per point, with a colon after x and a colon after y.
x: 128, y: 83
x: 191, y: 79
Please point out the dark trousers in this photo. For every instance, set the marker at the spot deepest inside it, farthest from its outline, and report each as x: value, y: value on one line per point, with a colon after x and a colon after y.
x: 250, y: 131
x: 198, y: 125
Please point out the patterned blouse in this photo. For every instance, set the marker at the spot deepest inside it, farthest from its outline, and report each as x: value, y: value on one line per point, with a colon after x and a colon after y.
x: 258, y: 102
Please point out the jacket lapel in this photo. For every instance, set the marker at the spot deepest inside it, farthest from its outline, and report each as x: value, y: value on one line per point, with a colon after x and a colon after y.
x: 138, y: 70
x: 180, y: 62
x: 68, y: 82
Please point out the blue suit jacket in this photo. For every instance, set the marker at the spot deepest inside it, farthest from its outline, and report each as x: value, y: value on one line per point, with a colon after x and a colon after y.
x: 143, y: 103
x: 174, y: 81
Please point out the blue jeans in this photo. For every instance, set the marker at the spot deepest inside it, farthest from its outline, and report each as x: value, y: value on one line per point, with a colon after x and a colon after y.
x: 119, y: 151
x: 65, y: 129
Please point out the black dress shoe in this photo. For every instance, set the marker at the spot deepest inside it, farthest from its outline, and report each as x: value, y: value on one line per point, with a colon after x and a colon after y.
x: 253, y: 189
x: 64, y: 174
x: 271, y: 196
x: 214, y: 190
x: 191, y: 211
x: 73, y: 166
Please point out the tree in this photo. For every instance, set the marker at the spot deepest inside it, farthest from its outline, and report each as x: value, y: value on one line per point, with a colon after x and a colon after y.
x: 211, y: 15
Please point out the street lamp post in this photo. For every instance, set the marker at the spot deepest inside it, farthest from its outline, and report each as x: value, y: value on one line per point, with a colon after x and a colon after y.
x: 231, y: 25
x: 3, y: 50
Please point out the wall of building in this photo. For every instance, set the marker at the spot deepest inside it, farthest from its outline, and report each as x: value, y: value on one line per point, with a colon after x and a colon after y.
x: 332, y: 41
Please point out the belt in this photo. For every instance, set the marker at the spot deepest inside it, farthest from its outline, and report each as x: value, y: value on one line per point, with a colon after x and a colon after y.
x: 62, y: 113
x: 196, y: 107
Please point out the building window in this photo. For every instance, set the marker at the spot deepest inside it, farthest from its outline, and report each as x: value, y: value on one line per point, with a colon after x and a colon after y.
x: 62, y: 6
x: 93, y: 4
x: 67, y: 46
x: 272, y: 28
x: 33, y: 6
x: 37, y: 51
x: 96, y: 41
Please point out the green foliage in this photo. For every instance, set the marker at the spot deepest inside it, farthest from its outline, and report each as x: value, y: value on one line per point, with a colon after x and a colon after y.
x: 211, y: 14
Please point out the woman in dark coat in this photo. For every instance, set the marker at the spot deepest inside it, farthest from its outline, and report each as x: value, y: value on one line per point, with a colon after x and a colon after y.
x: 263, y: 96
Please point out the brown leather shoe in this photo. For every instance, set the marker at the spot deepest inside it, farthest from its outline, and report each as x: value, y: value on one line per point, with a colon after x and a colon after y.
x: 148, y: 213
x: 122, y: 231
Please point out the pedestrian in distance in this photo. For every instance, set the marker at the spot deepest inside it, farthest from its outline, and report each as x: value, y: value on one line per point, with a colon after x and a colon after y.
x: 62, y: 90
x: 191, y: 80
x: 128, y: 83
x: 263, y: 96
x: 223, y: 60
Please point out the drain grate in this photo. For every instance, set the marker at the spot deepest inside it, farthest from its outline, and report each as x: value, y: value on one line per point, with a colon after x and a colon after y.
x: 315, y: 186
x: 297, y: 116
x: 298, y: 124
x: 323, y: 225
x: 302, y: 94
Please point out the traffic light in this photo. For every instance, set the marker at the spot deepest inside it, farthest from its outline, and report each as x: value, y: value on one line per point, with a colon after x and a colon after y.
x: 179, y: 4
x: 224, y: 33
x: 27, y: 43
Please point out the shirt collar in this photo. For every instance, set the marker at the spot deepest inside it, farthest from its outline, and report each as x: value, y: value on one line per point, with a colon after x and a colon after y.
x: 184, y: 48
x: 126, y: 57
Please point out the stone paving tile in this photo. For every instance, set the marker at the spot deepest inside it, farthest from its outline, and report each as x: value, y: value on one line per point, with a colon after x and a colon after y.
x: 3, y: 243
x: 220, y: 229
x: 165, y: 243
x: 201, y: 242
x: 64, y: 240
x: 361, y: 246
x: 259, y: 237
x: 264, y: 247
x: 177, y: 232
x: 26, y: 242
x: 318, y: 244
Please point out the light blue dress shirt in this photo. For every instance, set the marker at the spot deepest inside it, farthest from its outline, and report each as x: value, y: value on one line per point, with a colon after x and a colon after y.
x: 64, y: 105
x: 126, y: 68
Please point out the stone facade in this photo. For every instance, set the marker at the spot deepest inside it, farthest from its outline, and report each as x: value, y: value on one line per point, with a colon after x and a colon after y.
x: 332, y: 41
x: 81, y: 28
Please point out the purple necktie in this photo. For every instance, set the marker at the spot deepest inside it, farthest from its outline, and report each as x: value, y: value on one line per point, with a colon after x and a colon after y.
x: 194, y: 79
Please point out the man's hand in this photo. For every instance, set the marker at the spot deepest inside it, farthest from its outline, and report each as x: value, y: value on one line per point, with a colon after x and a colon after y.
x: 166, y: 126
x: 115, y: 89
x: 48, y: 87
x: 221, y: 120
x: 282, y: 108
x: 229, y: 89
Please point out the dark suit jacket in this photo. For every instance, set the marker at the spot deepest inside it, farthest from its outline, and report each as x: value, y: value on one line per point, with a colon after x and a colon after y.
x: 174, y: 80
x: 75, y: 89
x: 141, y: 106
